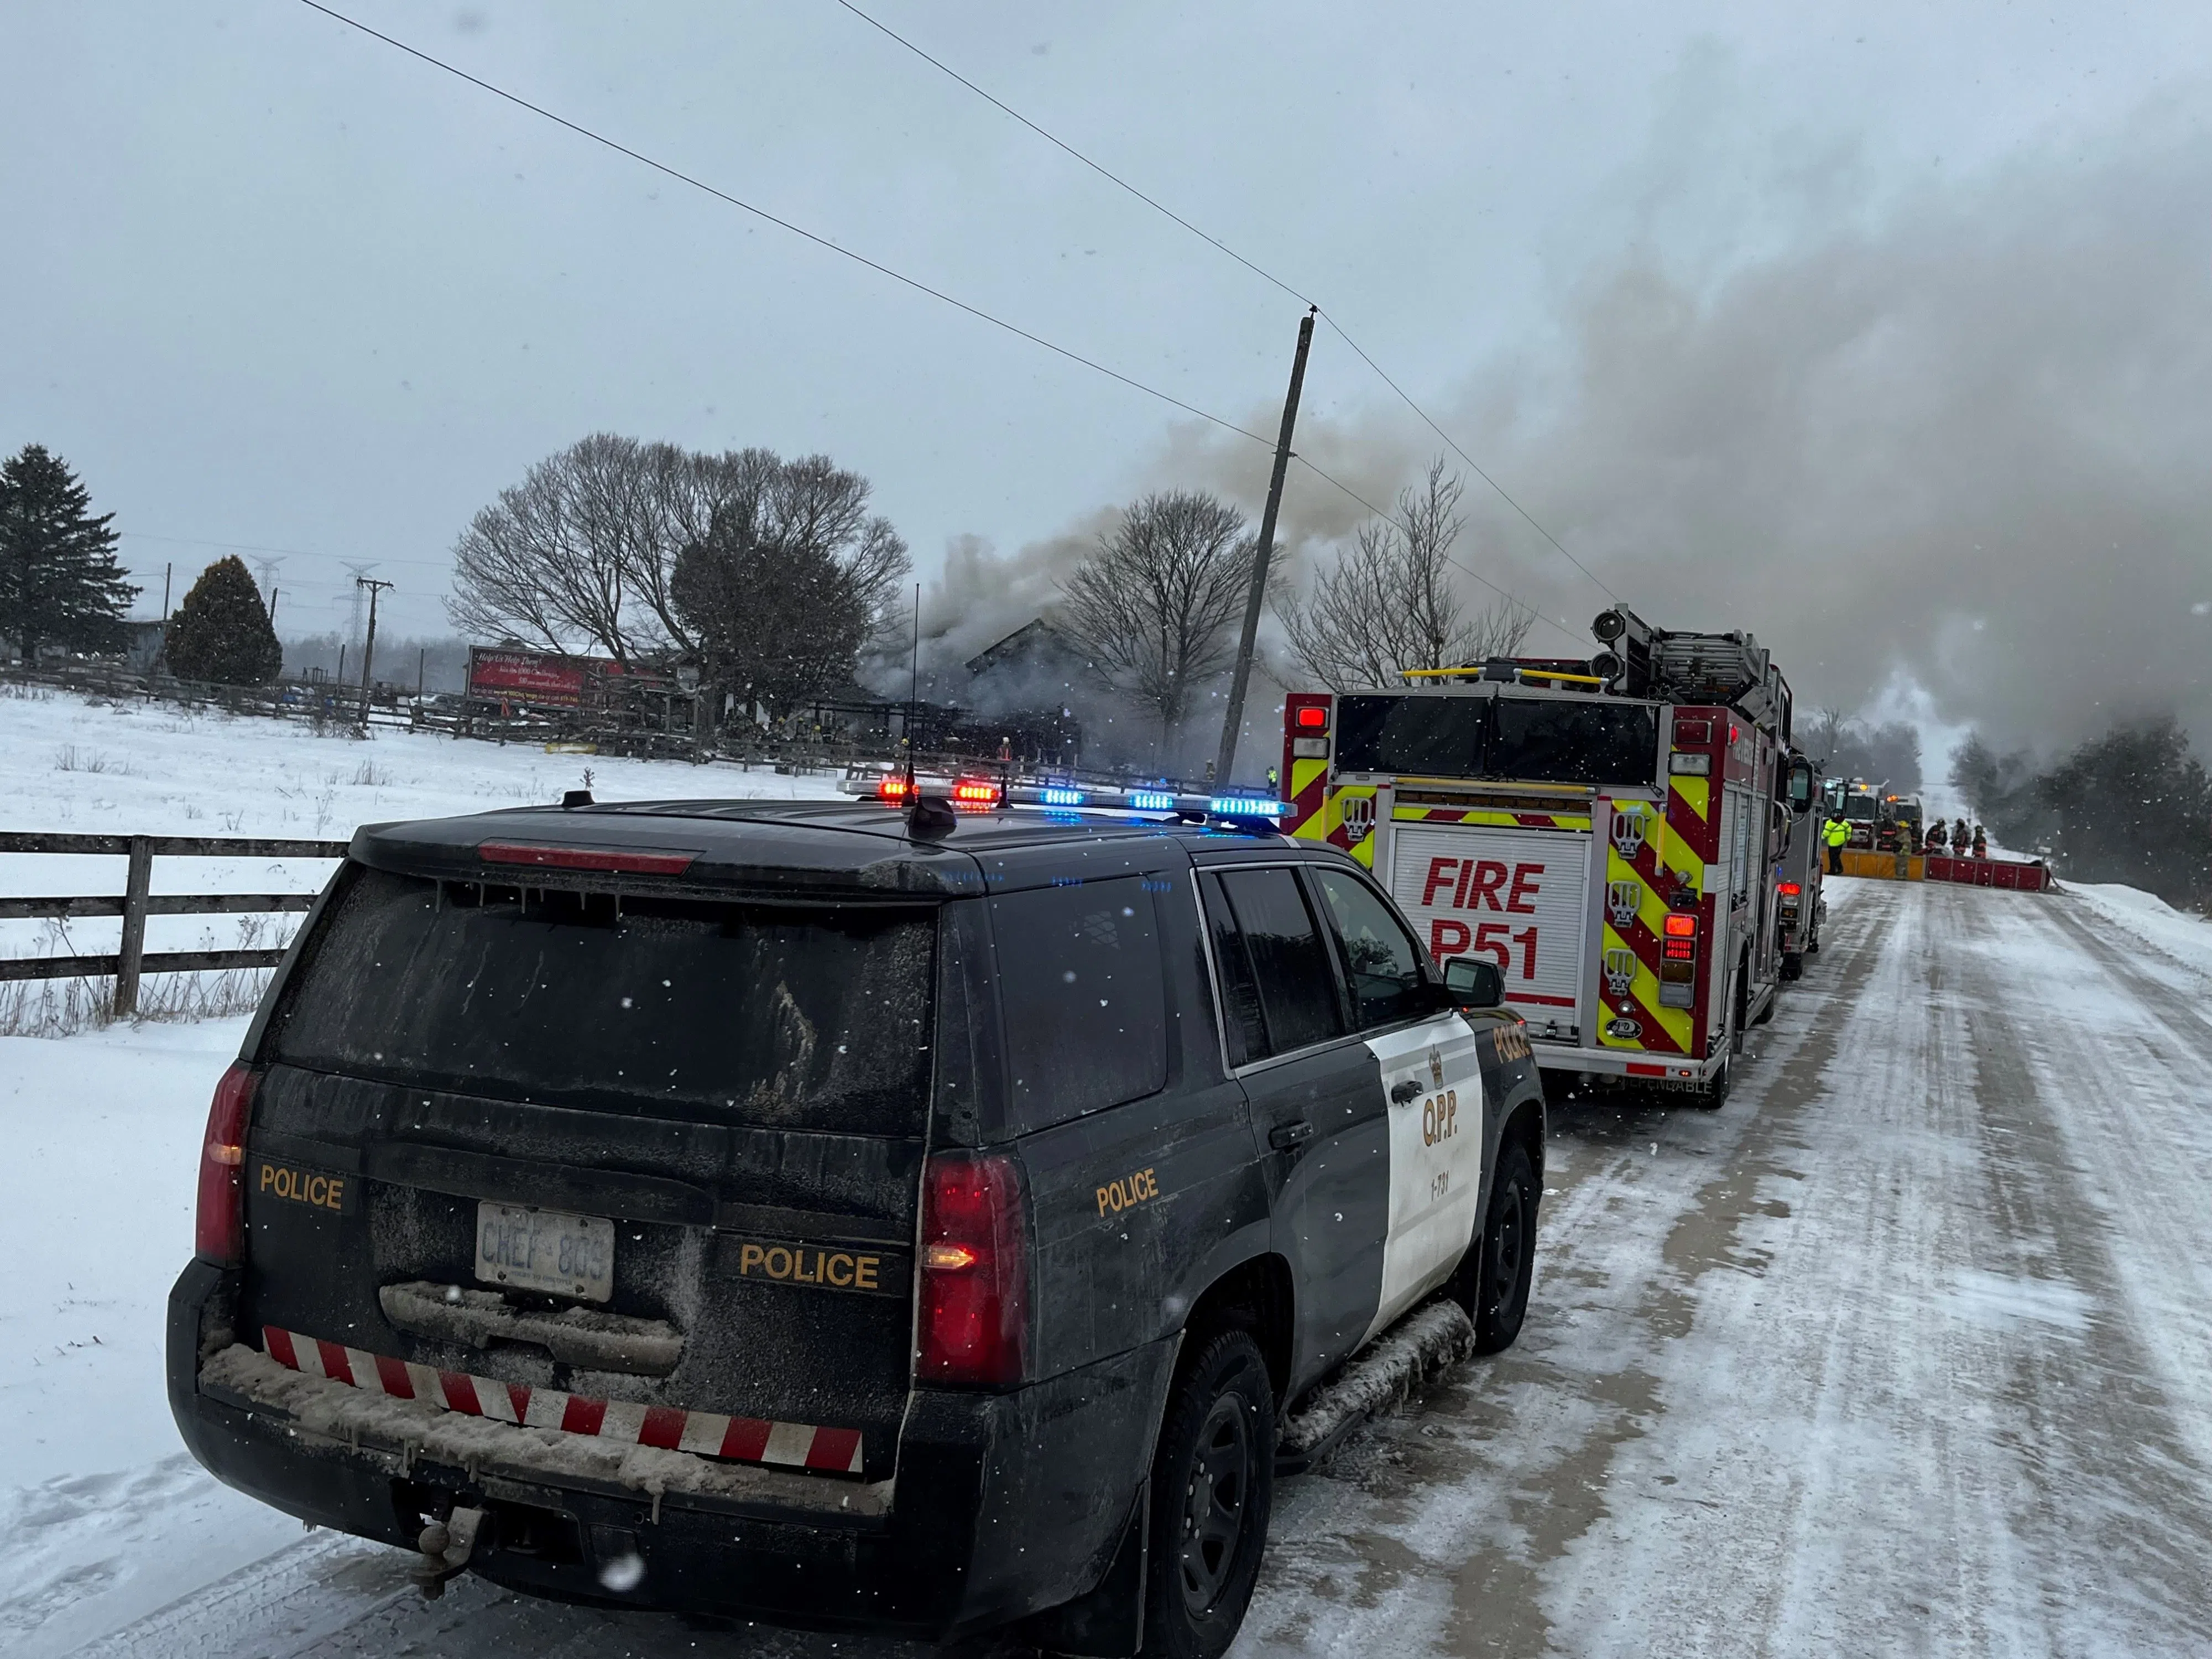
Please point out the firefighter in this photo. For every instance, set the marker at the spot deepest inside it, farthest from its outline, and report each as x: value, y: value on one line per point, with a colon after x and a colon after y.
x: 1981, y: 842
x: 1958, y: 839
x: 1938, y: 839
x: 1837, y: 832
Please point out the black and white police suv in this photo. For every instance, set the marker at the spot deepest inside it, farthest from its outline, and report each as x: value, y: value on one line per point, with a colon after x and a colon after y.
x: 850, y: 1213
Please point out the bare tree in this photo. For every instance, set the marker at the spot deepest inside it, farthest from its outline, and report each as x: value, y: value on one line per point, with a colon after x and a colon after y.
x: 1389, y: 602
x: 550, y: 560
x: 1153, y: 603
x: 583, y: 553
x: 791, y: 580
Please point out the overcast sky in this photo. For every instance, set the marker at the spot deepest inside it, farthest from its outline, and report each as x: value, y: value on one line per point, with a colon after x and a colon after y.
x: 265, y: 280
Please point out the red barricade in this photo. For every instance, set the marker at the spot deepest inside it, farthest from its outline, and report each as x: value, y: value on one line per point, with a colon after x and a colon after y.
x: 2027, y: 875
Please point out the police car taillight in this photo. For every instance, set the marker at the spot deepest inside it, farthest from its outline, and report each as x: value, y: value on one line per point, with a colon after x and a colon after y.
x: 972, y: 1328
x: 219, y: 1228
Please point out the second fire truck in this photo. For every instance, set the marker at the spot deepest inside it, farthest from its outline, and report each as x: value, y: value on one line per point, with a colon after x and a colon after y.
x: 1609, y: 832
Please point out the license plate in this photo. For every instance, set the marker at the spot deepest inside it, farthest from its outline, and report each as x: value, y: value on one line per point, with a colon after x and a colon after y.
x: 529, y: 1249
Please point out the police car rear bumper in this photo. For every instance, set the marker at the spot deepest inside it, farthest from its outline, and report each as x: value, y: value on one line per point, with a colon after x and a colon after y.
x: 1671, y: 1070
x: 1005, y: 1504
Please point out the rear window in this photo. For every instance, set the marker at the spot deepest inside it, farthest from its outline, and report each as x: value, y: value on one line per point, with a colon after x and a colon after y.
x: 1539, y: 740
x: 779, y: 1017
x: 1561, y: 740
x: 1435, y: 737
x: 1085, y: 996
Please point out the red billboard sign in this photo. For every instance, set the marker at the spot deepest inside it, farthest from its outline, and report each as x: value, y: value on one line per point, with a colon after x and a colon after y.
x: 503, y: 674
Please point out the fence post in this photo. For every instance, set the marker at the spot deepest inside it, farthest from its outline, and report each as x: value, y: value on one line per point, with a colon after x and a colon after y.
x: 134, y: 926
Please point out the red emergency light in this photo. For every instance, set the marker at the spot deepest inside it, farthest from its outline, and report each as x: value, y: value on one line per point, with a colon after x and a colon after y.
x: 1681, y: 943
x: 893, y: 787
x: 1312, y: 717
x: 585, y: 858
x: 1789, y: 889
x: 974, y: 791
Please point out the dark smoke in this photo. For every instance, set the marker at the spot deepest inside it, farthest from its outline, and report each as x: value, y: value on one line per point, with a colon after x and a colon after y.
x: 1960, y: 442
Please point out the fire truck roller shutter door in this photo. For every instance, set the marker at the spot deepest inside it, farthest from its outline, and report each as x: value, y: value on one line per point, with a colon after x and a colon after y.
x: 1515, y: 897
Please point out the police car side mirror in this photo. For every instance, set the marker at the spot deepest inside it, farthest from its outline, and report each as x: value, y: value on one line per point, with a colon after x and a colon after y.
x: 1471, y: 982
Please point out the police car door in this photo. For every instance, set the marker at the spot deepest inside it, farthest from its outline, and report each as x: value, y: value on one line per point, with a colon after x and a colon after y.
x: 1431, y: 1075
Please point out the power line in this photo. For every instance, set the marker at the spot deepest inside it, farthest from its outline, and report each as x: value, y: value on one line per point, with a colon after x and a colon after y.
x: 253, y: 547
x: 915, y: 283
x: 1258, y: 271
x: 1110, y: 177
x: 923, y: 288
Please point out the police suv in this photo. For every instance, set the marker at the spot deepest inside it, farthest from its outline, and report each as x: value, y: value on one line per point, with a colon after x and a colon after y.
x: 913, y: 1214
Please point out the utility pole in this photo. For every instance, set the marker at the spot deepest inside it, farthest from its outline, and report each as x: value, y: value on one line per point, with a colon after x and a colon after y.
x: 1260, y: 555
x: 166, y: 570
x: 272, y: 608
x: 368, y: 647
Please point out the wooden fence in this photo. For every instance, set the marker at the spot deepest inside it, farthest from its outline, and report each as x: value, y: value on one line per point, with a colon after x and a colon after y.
x: 138, y: 902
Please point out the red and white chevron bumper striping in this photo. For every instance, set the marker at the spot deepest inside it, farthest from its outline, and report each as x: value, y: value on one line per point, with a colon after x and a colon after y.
x: 709, y: 1434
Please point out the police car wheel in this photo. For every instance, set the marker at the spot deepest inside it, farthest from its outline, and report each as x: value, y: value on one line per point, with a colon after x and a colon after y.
x: 1213, y: 1481
x: 1504, y: 1257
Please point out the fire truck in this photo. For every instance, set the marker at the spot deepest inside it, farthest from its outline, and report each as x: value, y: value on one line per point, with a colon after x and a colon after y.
x: 1611, y: 832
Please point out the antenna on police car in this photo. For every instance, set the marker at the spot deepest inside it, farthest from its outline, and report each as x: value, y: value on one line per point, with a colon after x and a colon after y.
x: 913, y: 693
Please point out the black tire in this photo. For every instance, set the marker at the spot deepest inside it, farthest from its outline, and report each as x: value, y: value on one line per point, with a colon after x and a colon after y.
x: 1493, y: 1280
x: 1739, y: 1006
x: 1793, y: 965
x: 1213, y: 1486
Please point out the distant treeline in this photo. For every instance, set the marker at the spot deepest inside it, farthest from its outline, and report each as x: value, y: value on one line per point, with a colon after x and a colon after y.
x: 2133, y: 805
x: 1844, y: 748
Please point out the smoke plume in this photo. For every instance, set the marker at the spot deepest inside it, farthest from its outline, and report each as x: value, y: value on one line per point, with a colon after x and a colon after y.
x: 1960, y: 442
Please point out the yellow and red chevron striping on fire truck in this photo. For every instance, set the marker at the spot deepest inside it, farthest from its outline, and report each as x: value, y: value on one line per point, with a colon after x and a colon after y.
x: 1606, y: 832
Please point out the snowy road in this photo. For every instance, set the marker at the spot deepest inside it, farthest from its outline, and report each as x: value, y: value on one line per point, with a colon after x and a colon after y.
x: 1907, y: 1350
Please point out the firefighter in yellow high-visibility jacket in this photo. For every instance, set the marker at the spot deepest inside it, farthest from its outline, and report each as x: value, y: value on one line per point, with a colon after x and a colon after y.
x: 1836, y: 832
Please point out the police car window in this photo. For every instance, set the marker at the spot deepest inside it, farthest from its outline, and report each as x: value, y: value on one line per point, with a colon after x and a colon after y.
x: 1244, y: 1032
x: 1085, y: 996
x: 728, y: 1012
x: 1296, y: 982
x: 1381, y: 961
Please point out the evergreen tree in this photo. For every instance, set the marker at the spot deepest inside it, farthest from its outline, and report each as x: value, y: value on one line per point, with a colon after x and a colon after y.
x: 59, y: 583
x: 221, y: 631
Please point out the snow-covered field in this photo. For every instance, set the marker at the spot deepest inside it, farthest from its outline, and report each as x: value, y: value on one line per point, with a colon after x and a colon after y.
x: 102, y: 1517
x: 152, y: 768
x: 1904, y: 1351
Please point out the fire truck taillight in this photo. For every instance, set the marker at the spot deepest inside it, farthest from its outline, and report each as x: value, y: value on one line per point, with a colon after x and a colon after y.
x: 1312, y: 717
x: 1678, y: 962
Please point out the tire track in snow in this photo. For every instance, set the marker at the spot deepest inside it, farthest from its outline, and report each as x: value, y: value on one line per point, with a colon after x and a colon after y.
x: 1436, y: 1532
